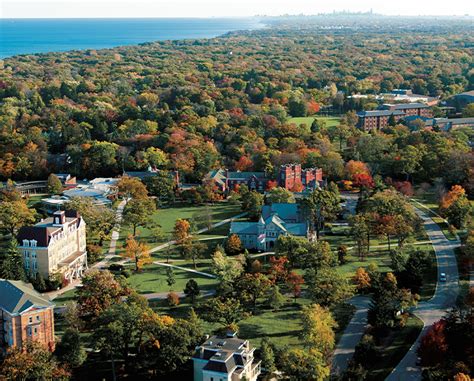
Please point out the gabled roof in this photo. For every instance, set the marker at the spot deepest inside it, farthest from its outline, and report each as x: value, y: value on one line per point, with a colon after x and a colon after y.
x: 286, y: 211
x: 244, y: 228
x: 17, y: 296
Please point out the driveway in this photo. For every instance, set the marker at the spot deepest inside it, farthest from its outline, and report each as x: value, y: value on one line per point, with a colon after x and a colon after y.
x: 352, y: 334
x: 444, y: 297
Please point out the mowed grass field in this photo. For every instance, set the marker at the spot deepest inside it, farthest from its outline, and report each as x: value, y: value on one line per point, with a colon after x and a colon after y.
x: 308, y: 120
x: 166, y: 218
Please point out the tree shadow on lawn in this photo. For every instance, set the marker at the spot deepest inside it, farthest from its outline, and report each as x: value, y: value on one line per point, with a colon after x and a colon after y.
x: 255, y: 331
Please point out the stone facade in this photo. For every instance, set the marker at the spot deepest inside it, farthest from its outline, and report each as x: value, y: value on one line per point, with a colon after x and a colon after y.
x: 56, y: 244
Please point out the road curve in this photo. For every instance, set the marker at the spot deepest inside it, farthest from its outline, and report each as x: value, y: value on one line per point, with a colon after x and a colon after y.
x: 352, y: 334
x: 443, y: 299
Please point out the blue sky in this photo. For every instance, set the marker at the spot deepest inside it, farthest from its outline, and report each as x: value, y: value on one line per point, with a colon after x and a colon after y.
x: 216, y: 8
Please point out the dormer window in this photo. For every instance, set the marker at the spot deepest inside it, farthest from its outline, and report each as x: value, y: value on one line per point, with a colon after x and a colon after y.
x: 26, y: 242
x: 33, y: 243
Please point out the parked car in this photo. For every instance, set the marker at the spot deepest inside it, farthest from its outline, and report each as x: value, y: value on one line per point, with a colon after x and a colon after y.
x: 442, y: 277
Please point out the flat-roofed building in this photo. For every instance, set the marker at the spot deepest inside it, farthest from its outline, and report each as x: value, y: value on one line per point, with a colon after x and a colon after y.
x: 55, y: 245
x: 377, y: 119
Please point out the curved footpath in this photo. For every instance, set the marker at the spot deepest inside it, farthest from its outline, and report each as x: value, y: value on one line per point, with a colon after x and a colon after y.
x: 352, y: 334
x: 444, y: 297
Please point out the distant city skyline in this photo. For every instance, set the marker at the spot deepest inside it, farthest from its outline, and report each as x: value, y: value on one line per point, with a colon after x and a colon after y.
x: 223, y: 8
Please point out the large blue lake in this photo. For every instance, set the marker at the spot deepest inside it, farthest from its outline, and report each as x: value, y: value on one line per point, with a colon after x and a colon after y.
x: 25, y: 36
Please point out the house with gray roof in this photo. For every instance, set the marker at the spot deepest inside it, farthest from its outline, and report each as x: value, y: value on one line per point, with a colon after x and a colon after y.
x: 225, y: 358
x: 275, y: 220
x: 24, y: 315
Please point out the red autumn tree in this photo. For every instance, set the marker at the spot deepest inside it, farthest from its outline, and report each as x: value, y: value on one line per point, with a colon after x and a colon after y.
x: 313, y: 107
x: 363, y: 180
x: 294, y: 282
x: 433, y: 346
x: 404, y: 187
x: 243, y: 164
x: 271, y: 184
x: 279, y: 268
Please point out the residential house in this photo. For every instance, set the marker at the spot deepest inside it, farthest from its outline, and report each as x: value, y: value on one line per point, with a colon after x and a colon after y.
x: 275, y: 220
x: 225, y: 358
x: 24, y: 315
x: 55, y: 245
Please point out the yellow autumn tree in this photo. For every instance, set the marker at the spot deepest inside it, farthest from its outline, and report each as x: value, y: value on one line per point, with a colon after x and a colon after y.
x: 362, y: 279
x: 138, y: 252
x: 318, y: 329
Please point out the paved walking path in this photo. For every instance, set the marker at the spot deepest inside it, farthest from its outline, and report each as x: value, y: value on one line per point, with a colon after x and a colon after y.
x: 203, y: 230
x: 164, y: 295
x: 113, y: 246
x: 444, y: 297
x: 352, y: 334
x: 185, y: 269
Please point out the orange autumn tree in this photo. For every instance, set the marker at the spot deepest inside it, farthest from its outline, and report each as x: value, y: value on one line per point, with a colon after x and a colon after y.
x: 361, y: 279
x: 181, y: 230
x: 243, y: 164
x: 354, y: 167
x: 451, y: 197
x: 138, y: 252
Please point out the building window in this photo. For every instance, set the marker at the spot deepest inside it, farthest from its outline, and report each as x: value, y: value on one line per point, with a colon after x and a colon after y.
x: 30, y: 319
x: 37, y: 318
x: 26, y: 242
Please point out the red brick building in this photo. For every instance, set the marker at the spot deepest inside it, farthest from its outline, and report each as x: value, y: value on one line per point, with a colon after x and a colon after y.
x: 293, y: 177
x: 377, y: 119
x: 419, y: 109
x: 24, y: 315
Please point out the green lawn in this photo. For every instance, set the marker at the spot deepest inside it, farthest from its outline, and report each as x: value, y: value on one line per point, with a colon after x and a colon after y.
x: 308, y: 120
x: 282, y: 326
x: 153, y: 279
x: 68, y: 296
x: 167, y: 217
x: 394, y: 347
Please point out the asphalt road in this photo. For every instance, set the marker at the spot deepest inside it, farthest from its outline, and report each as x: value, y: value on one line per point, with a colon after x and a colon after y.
x: 434, y: 309
x: 352, y: 334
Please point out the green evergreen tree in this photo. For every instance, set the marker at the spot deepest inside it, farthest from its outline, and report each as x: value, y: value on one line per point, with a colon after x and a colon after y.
x: 12, y: 265
x: 276, y: 299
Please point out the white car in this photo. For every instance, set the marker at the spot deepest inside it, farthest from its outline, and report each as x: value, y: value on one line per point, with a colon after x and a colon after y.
x: 442, y: 277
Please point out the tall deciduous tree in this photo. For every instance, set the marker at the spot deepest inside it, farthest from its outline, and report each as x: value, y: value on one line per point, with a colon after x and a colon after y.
x: 138, y: 252
x: 99, y: 291
x: 318, y: 329
x: 32, y: 362
x: 14, y: 215
x: 54, y: 185
x: 132, y: 187
x: 138, y: 213
x: 327, y: 287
